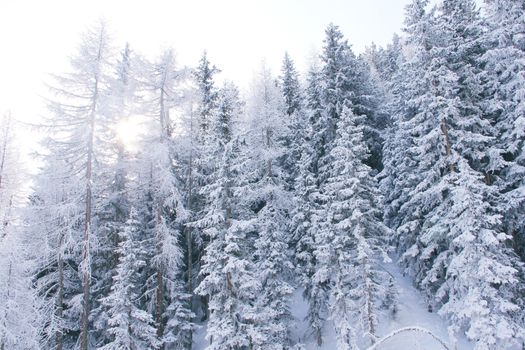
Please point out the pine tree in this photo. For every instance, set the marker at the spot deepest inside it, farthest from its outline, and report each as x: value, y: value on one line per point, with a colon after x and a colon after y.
x: 346, y: 78
x: 290, y: 87
x: 477, y: 273
x: 339, y: 65
x: 303, y: 222
x: 309, y: 141
x: 402, y: 176
x: 450, y: 146
x: 205, y: 148
x: 204, y: 76
x: 342, y: 82
x: 229, y: 107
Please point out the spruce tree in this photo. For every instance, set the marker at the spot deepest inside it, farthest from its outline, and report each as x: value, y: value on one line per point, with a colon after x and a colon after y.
x: 290, y: 87
x: 269, y: 199
x: 129, y: 326
x: 229, y: 277
x: 504, y: 87
x: 165, y: 211
x: 115, y: 202
x: 294, y: 110
x: 352, y: 235
x: 451, y: 145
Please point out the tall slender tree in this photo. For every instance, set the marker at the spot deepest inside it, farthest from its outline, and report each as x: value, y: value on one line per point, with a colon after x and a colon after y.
x: 269, y: 197
x: 504, y: 88
x: 19, y: 312
x: 353, y: 235
x: 114, y: 205
x: 129, y: 326
x: 166, y: 205
x: 229, y: 275
x: 78, y: 124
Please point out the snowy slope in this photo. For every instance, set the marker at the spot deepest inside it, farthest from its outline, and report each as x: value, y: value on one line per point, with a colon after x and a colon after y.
x: 412, y: 311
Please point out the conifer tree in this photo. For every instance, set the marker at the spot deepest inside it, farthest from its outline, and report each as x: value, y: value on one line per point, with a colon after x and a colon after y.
x: 204, y: 76
x: 78, y: 127
x: 19, y: 312
x: 352, y: 235
x: 294, y: 111
x: 229, y: 275
x: 504, y: 88
x: 129, y: 326
x: 165, y: 211
x: 268, y: 197
x: 55, y: 217
x: 115, y: 205
x: 450, y: 143
x: 205, y: 148
x: 303, y: 220
x: 290, y: 87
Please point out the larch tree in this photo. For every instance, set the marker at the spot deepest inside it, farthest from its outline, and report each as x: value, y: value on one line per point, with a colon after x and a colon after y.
x: 19, y: 312
x: 54, y: 216
x: 77, y: 131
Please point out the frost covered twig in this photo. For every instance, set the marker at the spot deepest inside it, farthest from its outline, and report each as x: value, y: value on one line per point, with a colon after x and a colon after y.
x: 409, y: 329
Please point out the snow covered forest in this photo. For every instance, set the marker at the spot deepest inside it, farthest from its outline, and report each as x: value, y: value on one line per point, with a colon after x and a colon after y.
x: 277, y: 217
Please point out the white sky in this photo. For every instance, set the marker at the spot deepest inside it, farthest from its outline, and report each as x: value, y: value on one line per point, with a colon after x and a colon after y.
x: 36, y: 37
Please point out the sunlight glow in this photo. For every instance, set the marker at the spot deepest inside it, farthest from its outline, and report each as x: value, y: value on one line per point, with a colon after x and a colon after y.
x: 129, y: 131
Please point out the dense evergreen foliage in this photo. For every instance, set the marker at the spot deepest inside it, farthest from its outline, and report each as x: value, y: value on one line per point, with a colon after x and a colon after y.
x: 227, y: 207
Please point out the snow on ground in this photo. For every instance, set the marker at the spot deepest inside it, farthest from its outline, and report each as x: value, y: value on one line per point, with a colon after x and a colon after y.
x: 412, y: 311
x: 199, y: 340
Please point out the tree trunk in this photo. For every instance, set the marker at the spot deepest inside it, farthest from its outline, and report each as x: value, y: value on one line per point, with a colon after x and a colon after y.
x: 8, y: 288
x: 488, y: 178
x: 86, y: 274
x: 369, y: 304
x: 60, y: 296
x: 189, y: 240
x: 4, y: 146
x: 268, y: 145
x: 159, y: 307
x: 84, y: 322
x: 448, y: 148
